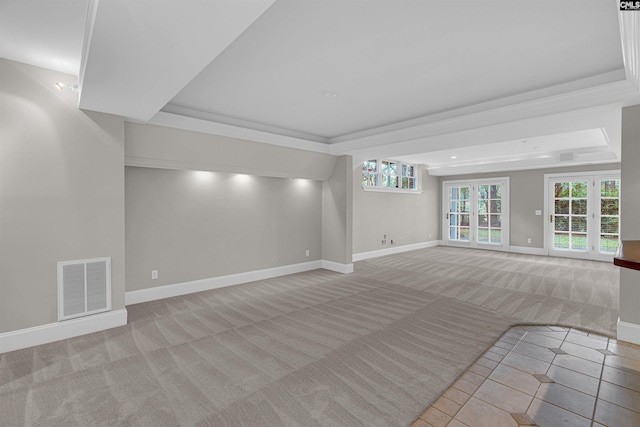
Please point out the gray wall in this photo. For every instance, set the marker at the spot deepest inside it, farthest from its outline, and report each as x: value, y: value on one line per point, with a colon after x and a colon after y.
x: 630, y: 211
x: 527, y: 196
x: 168, y: 148
x: 337, y: 213
x: 194, y: 225
x: 404, y: 218
x: 61, y: 192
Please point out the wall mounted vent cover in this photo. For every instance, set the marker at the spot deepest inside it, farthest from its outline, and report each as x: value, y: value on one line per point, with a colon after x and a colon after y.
x: 566, y: 157
x: 84, y: 287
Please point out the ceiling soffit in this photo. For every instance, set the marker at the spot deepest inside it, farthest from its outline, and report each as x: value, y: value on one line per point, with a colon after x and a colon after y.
x: 391, y: 64
x: 137, y: 56
x: 108, y: 84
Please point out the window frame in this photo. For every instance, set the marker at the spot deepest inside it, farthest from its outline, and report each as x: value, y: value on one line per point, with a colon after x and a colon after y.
x: 505, y: 208
x: 592, y: 251
x: 377, y: 175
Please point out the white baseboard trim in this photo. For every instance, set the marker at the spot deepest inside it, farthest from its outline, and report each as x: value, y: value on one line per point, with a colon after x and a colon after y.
x: 29, y: 337
x: 337, y: 267
x: 177, y: 289
x: 395, y: 250
x: 629, y: 332
x: 527, y: 250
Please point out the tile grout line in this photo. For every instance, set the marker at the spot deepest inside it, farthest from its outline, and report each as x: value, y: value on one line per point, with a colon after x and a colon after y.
x: 599, y: 381
x: 550, y: 365
x: 595, y: 404
x: 513, y: 346
x: 453, y: 417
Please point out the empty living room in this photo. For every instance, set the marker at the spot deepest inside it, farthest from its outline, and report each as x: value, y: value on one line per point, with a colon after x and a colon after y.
x: 319, y: 213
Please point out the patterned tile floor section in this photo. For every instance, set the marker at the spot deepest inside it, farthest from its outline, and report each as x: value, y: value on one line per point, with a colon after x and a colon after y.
x: 545, y: 376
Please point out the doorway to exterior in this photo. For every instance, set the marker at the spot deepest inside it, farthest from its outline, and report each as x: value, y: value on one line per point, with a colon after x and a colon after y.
x: 583, y: 215
x: 476, y: 213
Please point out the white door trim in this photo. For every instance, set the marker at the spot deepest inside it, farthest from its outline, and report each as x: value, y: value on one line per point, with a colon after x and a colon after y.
x: 505, y: 213
x: 547, y: 209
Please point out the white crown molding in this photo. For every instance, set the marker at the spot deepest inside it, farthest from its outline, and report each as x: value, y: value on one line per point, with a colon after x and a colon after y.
x: 500, y: 103
x: 29, y: 337
x: 489, y: 114
x: 630, y: 38
x: 605, y: 158
x: 607, y: 118
x: 151, y: 162
x: 178, y: 121
x: 245, y: 124
x: 411, y: 135
x: 618, y: 87
x: 92, y: 10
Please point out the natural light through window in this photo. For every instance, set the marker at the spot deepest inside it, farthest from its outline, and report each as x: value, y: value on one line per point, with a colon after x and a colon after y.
x: 389, y: 175
x: 609, y: 215
x: 584, y: 214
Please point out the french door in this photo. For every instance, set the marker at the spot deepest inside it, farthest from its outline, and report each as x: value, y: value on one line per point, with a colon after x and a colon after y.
x: 476, y: 213
x: 583, y: 216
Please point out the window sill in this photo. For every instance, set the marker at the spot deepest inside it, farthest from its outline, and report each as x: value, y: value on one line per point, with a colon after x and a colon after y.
x: 391, y: 190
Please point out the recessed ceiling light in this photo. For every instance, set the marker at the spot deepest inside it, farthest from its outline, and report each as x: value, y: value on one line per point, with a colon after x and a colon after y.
x: 62, y: 86
x: 454, y: 157
x: 330, y: 94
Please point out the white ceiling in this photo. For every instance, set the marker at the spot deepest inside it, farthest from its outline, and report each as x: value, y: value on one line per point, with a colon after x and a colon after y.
x: 46, y: 33
x: 390, y: 61
x: 587, y: 146
x: 413, y: 80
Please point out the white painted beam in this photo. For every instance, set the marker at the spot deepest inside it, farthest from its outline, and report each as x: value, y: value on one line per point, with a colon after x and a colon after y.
x: 139, y: 54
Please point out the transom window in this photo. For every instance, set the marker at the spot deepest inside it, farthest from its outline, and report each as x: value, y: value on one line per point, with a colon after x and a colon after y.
x: 389, y: 174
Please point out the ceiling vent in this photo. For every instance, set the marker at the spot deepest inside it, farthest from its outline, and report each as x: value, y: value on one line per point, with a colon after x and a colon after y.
x: 566, y: 157
x: 84, y: 287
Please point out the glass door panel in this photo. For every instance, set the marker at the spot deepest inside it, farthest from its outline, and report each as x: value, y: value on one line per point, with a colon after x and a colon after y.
x: 459, y: 213
x: 476, y: 213
x: 584, y: 216
x: 569, y: 216
x: 609, y: 215
x: 489, y: 222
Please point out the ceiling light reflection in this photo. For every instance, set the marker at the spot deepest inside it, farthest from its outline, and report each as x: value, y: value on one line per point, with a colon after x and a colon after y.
x: 242, y: 178
x: 301, y: 182
x: 203, y: 176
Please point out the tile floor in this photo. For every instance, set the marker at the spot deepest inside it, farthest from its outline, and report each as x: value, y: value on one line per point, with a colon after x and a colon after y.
x: 545, y: 376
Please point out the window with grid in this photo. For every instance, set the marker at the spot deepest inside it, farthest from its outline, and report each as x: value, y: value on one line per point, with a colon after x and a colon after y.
x: 389, y: 175
x: 609, y: 215
x: 490, y: 213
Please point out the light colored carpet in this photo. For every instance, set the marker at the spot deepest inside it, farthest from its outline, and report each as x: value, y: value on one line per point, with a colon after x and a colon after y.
x: 372, y: 348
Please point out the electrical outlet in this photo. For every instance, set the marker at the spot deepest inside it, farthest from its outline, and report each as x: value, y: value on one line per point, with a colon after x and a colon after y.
x: 392, y: 241
x: 307, y: 253
x: 529, y: 240
x: 384, y: 242
x: 154, y: 274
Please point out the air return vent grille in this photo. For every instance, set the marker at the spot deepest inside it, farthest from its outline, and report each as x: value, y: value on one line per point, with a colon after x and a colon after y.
x: 84, y: 287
